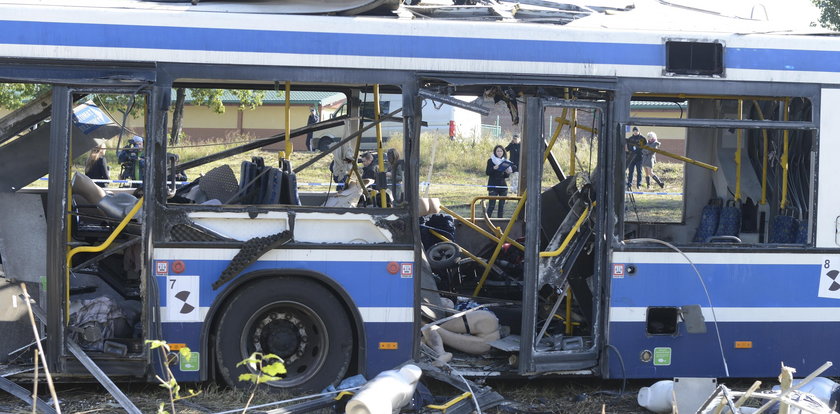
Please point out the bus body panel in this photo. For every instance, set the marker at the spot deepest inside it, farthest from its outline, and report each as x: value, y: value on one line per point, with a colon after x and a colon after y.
x: 760, y: 302
x: 383, y: 299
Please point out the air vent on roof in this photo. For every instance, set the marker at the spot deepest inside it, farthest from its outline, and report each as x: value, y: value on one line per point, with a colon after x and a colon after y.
x: 693, y: 58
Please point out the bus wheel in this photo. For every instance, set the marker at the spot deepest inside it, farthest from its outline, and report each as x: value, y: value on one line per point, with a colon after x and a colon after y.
x: 296, y: 319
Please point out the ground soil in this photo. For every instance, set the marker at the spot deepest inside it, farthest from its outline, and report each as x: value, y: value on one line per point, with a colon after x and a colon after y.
x: 539, y: 395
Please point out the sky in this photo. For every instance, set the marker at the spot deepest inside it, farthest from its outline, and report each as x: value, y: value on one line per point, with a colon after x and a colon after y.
x: 801, y: 11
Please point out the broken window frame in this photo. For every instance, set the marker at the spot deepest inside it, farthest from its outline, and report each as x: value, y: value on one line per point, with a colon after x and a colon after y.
x: 728, y: 91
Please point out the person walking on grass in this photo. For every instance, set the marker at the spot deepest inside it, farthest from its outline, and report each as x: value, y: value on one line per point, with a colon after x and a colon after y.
x: 498, y: 169
x: 634, y: 158
x: 649, y: 160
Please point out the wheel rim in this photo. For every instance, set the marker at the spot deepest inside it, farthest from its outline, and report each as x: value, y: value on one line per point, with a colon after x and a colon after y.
x: 292, y: 331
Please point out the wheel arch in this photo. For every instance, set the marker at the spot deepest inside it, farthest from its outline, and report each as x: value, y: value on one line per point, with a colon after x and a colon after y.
x: 358, y: 362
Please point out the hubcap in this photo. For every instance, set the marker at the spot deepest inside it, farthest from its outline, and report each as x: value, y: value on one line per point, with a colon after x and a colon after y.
x: 292, y: 331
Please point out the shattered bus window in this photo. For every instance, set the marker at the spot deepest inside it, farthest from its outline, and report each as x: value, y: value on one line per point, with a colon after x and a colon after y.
x: 747, y: 183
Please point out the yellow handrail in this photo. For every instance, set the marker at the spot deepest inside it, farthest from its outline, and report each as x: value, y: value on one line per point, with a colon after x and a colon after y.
x: 93, y: 249
x: 288, y: 113
x: 764, y: 157
x: 499, y: 244
x: 680, y: 157
x: 569, y: 236
x: 784, y: 159
x: 738, y: 154
x: 474, y: 201
x: 450, y: 403
x: 382, y: 191
x: 481, y: 231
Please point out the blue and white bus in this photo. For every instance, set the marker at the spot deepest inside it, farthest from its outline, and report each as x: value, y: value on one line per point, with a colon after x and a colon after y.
x: 726, y: 273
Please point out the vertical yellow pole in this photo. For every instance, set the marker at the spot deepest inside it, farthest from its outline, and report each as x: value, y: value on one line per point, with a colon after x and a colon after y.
x: 519, y: 206
x: 784, y: 160
x: 288, y: 120
x: 764, y: 157
x: 382, y: 194
x: 568, y: 320
x: 738, y: 154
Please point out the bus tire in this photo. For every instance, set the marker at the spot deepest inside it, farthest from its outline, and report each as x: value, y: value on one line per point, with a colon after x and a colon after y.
x: 297, y: 319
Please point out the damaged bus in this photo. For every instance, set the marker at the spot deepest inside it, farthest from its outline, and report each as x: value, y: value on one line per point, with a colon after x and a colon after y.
x: 233, y: 252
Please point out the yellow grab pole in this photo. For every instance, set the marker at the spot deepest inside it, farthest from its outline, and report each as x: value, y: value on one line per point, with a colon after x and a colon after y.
x: 738, y: 154
x: 94, y: 249
x: 561, y: 120
x: 568, y: 321
x: 764, y: 157
x: 680, y: 157
x: 289, y: 147
x: 569, y: 236
x: 784, y: 160
x: 499, y: 245
x: 382, y: 195
x: 479, y: 230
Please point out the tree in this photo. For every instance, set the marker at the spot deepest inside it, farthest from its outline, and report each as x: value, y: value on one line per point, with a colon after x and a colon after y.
x: 829, y: 13
x: 15, y: 95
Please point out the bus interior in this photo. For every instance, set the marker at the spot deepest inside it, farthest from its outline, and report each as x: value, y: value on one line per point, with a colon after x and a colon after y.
x: 542, y: 269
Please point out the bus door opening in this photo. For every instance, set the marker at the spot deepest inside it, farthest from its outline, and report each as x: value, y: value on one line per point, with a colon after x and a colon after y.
x: 515, y: 267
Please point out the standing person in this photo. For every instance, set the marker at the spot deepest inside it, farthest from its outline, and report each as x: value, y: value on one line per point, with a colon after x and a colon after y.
x: 96, y: 166
x: 132, y: 161
x: 498, y: 169
x: 313, y: 119
x: 649, y: 160
x: 634, y: 158
x: 368, y: 167
x: 513, y: 149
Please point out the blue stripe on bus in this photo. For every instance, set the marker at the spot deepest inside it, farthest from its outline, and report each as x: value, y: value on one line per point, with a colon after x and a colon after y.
x: 368, y: 283
x: 335, y: 44
x: 782, y: 59
x: 730, y: 285
x: 802, y: 345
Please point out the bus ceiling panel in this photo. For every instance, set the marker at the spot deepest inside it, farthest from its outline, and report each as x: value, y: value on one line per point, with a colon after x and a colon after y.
x: 72, y: 74
x: 467, y: 82
x: 723, y: 89
x: 722, y: 123
x: 263, y: 77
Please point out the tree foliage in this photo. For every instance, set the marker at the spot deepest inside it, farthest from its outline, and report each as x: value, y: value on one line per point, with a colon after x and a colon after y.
x: 829, y: 13
x: 15, y: 95
x: 212, y: 98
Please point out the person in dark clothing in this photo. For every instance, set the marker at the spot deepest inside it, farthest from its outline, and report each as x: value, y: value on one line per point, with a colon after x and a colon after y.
x: 634, y: 157
x: 96, y: 166
x: 133, y: 161
x: 368, y: 167
x: 313, y: 119
x: 513, y: 149
x: 498, y: 169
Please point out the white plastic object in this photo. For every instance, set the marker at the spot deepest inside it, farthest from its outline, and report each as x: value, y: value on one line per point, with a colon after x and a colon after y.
x: 658, y: 397
x: 388, y: 391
